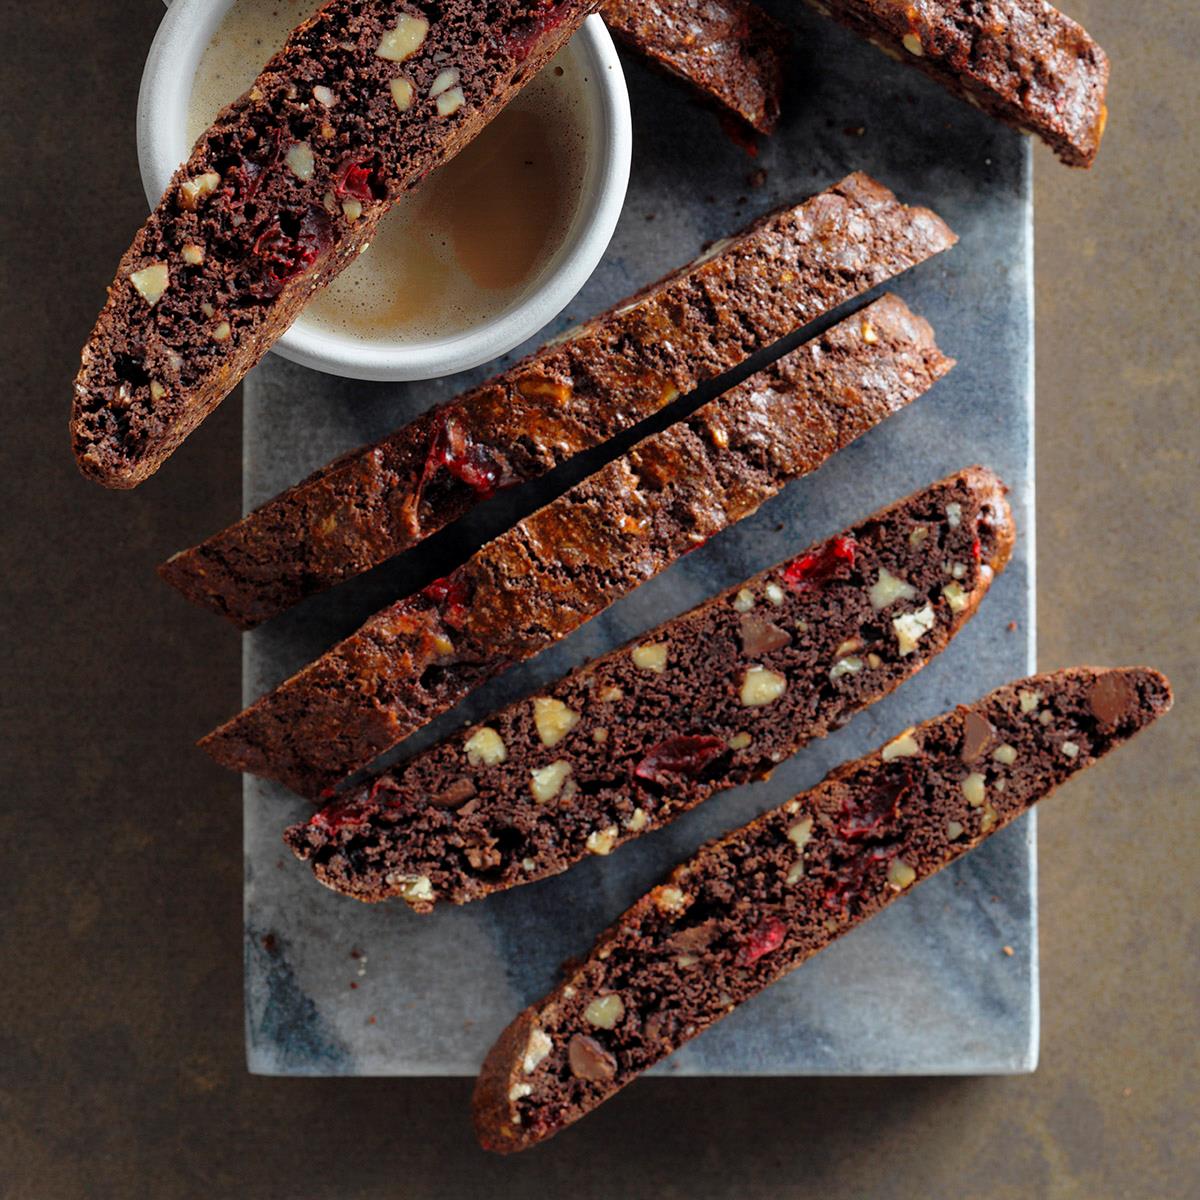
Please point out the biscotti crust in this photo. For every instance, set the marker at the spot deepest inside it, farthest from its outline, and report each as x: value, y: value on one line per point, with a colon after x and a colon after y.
x: 757, y: 903
x: 1021, y: 61
x: 710, y: 700
x: 279, y: 195
x: 567, y: 562
x: 731, y: 51
x: 786, y: 269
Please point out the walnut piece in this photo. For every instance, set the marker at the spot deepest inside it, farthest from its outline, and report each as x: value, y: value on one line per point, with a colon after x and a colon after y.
x: 450, y: 102
x: 151, y: 281
x: 889, y: 588
x: 605, y: 1012
x: 956, y: 597
x: 404, y: 39
x: 761, y: 687
x: 911, y: 627
x: 744, y: 601
x: 536, y: 1049
x: 651, y: 656
x: 413, y: 887
x: 192, y: 191
x: 845, y: 666
x: 485, y: 748
x: 553, y: 720
x: 974, y: 788
x: 800, y: 833
x: 546, y: 782
x: 669, y: 899
x: 602, y: 841
x: 902, y: 746
x: 402, y: 92
x: 300, y: 161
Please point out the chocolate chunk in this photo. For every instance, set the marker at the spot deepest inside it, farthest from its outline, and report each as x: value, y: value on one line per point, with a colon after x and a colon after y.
x: 698, y: 937
x: 760, y: 636
x: 976, y: 735
x: 1111, y: 698
x: 590, y: 1060
x: 459, y: 792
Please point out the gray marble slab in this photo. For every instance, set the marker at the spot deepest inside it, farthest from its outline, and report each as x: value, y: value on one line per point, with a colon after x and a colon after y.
x: 334, y: 987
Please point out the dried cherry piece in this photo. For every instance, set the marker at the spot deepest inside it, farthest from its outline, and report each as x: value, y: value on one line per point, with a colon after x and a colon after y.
x: 764, y: 938
x: 334, y: 816
x: 465, y: 459
x: 811, y: 569
x: 864, y: 816
x: 360, y: 178
x: 244, y: 179
x: 976, y: 550
x: 740, y: 132
x: 523, y: 39
x: 688, y: 754
x: 847, y: 883
x: 450, y: 595
x: 281, y: 256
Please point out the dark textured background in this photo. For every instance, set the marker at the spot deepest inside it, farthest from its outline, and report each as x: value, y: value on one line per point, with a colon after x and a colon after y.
x: 121, y: 1058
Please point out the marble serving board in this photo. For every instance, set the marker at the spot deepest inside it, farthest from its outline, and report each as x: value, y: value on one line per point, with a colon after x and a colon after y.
x: 334, y: 987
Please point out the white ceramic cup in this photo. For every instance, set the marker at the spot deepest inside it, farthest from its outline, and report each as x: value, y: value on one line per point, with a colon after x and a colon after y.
x: 162, y: 141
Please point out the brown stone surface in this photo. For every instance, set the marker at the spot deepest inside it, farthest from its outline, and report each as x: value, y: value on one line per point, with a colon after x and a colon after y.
x: 121, y: 1068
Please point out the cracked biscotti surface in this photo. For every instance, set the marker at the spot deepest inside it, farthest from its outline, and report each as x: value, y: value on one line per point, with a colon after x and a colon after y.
x: 279, y: 194
x: 755, y: 904
x: 786, y: 269
x: 567, y: 562
x: 731, y: 51
x: 710, y: 700
x: 1022, y: 61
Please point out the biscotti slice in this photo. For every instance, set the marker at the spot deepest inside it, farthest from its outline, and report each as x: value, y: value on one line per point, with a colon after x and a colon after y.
x: 752, y: 906
x: 1022, y: 61
x: 567, y: 562
x: 785, y: 270
x: 731, y: 51
x: 711, y: 700
x: 284, y: 190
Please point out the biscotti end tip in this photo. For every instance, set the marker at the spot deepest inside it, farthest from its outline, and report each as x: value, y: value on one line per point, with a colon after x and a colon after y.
x: 1137, y: 696
x: 494, y: 1103
x: 994, y: 493
x: 186, y: 573
x: 869, y: 192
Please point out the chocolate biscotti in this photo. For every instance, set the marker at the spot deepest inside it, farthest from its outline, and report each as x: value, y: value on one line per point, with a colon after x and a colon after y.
x: 1022, y: 61
x: 785, y: 270
x: 754, y: 905
x: 731, y: 51
x: 561, y: 566
x: 710, y: 700
x: 280, y: 194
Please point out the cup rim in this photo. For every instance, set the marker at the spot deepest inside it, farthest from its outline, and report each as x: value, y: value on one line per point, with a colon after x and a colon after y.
x: 162, y: 143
